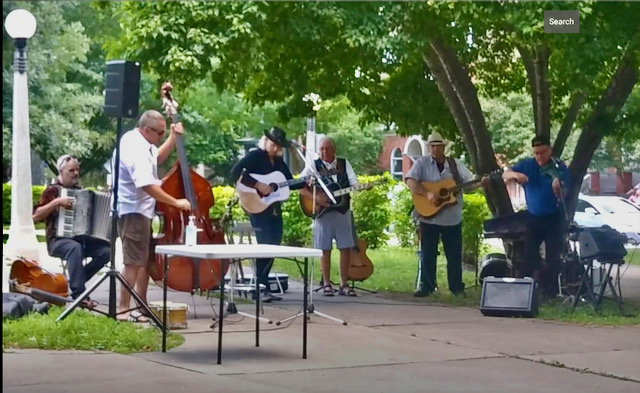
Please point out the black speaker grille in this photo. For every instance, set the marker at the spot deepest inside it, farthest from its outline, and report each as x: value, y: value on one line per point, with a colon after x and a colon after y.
x: 122, y: 88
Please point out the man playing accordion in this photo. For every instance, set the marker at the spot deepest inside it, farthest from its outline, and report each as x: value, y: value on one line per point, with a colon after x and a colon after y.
x: 71, y: 249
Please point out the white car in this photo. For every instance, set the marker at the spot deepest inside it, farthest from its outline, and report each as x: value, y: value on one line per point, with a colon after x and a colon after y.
x: 616, y: 212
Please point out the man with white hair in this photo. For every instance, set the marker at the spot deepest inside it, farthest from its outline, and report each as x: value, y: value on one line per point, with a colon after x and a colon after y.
x: 75, y: 249
x: 335, y: 224
x: 264, y: 160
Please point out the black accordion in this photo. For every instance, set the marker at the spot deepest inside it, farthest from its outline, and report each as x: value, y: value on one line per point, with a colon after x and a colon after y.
x: 90, y: 215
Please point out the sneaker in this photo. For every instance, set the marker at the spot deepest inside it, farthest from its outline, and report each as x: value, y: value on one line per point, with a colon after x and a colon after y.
x: 421, y: 293
x: 268, y: 297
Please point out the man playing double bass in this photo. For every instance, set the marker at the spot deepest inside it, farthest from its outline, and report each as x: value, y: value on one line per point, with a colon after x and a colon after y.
x: 138, y: 190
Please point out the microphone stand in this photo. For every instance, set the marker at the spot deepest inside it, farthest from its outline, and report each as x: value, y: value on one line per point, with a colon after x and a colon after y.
x: 315, y: 173
x: 310, y: 307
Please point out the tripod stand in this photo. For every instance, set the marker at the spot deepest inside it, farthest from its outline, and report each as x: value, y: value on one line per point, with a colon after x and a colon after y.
x: 236, y: 264
x: 311, y: 308
x: 113, y: 274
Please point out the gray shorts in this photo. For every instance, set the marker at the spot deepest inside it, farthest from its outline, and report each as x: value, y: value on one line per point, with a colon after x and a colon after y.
x: 333, y: 225
x: 135, y: 232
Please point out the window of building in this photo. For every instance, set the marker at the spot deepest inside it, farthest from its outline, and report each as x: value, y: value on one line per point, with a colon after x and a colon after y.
x: 396, y: 163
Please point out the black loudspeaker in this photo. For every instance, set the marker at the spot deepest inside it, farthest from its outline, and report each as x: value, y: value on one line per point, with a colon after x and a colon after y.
x: 509, y: 297
x: 122, y: 88
x: 604, y: 243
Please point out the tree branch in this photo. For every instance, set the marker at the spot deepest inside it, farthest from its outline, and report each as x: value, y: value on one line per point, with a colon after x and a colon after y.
x: 602, y: 121
x: 536, y: 63
x: 461, y: 97
x: 565, y: 130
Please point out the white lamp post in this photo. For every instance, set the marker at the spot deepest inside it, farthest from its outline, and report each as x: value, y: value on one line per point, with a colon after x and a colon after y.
x: 21, y: 25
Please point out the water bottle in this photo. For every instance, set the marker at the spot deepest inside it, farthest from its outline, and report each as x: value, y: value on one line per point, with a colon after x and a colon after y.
x: 191, y: 232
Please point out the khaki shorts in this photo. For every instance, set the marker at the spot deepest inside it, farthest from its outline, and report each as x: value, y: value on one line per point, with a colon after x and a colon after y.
x: 135, y: 232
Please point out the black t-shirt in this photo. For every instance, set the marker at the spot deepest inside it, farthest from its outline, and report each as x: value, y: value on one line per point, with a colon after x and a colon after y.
x: 258, y: 162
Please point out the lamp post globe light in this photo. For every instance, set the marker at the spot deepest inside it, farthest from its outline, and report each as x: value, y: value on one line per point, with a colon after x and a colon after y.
x: 22, y: 242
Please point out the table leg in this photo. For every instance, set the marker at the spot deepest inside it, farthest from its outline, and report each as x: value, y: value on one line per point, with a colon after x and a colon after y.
x: 164, y: 303
x: 257, y: 288
x: 304, y: 306
x: 221, y: 285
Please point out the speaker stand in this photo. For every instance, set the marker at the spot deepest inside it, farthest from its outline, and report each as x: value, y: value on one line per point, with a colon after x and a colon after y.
x: 113, y: 274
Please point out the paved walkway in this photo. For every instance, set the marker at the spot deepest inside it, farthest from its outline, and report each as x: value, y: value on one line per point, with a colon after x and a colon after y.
x: 387, y: 346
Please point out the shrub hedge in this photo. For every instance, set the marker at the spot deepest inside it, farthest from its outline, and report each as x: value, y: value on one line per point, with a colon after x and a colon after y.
x: 377, y: 212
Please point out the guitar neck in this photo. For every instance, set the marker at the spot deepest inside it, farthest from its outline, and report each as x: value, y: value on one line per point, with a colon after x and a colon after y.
x: 293, y: 182
x: 464, y: 185
x: 347, y: 190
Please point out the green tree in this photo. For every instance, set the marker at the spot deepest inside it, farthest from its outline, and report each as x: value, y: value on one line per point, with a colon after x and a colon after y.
x: 65, y: 86
x: 404, y: 63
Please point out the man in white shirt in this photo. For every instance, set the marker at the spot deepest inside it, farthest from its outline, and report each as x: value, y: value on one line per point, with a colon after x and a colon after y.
x: 335, y: 223
x: 138, y: 190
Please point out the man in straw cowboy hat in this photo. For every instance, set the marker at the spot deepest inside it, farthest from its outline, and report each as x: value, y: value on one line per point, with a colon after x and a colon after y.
x: 447, y: 224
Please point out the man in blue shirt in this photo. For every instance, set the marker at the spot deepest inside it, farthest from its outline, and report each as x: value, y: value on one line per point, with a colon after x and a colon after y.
x: 544, y: 179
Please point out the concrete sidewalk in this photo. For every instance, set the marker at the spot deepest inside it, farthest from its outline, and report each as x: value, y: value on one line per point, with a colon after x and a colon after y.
x: 387, y: 346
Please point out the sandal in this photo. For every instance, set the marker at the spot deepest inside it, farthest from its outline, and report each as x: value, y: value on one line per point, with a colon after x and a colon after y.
x: 137, y: 317
x: 327, y: 290
x: 347, y: 291
x: 88, y: 304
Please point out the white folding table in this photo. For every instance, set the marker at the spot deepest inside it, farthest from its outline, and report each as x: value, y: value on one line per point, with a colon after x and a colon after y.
x: 236, y: 252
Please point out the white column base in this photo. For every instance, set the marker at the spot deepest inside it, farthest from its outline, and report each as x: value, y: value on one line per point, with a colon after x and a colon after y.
x: 22, y: 242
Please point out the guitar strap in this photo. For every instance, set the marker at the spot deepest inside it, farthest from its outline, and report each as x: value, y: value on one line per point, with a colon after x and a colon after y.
x: 454, y: 170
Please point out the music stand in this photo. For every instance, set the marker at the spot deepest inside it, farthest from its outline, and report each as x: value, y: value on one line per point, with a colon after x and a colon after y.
x: 311, y: 308
x: 112, y: 273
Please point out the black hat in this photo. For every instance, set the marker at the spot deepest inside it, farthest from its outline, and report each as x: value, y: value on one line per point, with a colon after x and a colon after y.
x: 278, y: 136
x: 540, y: 140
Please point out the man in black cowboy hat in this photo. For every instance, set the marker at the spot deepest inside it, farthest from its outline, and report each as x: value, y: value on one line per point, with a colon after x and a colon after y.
x: 262, y: 161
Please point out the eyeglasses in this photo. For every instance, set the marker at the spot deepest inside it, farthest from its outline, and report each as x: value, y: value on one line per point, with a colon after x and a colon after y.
x: 156, y: 131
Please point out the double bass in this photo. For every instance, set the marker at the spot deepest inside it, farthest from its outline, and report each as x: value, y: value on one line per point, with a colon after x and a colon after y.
x: 185, y: 274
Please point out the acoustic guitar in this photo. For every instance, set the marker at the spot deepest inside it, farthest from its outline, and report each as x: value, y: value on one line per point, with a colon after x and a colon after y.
x: 360, y: 266
x: 446, y: 191
x: 306, y: 203
x: 253, y: 201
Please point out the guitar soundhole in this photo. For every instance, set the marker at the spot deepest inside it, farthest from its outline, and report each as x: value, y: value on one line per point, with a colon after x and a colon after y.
x: 443, y: 193
x: 274, y: 187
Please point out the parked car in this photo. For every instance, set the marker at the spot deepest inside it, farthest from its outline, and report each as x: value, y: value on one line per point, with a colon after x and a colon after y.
x: 616, y: 212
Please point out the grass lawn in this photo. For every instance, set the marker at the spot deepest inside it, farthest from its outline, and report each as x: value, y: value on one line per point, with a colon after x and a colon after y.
x: 82, y: 330
x: 633, y: 256
x: 394, y: 276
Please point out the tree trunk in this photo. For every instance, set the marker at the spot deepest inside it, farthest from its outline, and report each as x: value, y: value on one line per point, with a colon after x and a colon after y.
x: 601, y: 122
x: 565, y: 130
x: 461, y: 97
x: 536, y: 63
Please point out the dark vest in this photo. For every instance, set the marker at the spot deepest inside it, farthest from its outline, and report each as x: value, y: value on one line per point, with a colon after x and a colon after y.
x: 343, y: 182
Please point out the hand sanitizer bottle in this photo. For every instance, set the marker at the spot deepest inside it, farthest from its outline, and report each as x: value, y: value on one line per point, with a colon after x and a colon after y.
x: 191, y: 232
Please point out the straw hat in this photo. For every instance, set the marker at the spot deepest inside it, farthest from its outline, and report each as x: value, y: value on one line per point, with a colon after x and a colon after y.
x: 435, y: 139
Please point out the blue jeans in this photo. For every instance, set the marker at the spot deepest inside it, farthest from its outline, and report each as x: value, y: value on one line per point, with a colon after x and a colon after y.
x: 268, y: 226
x: 74, y: 250
x: 452, y: 243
